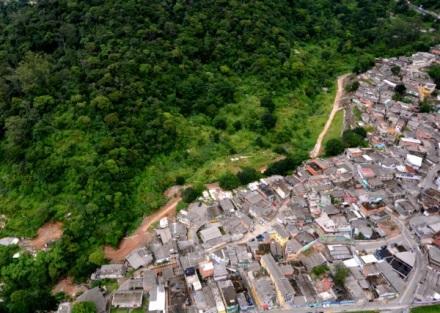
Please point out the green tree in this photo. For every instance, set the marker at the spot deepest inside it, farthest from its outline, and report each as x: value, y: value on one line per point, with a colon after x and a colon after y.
x: 350, y: 138
x: 247, y: 175
x: 229, y: 181
x: 400, y: 89
x: 425, y: 107
x: 360, y: 131
x: 341, y: 274
x: 190, y: 194
x: 434, y: 73
x: 285, y: 166
x: 237, y: 125
x: 363, y: 64
x: 269, y: 120
x: 320, y: 270
x: 220, y: 123
x: 267, y: 102
x: 334, y: 147
x: 33, y: 72
x: 395, y: 70
x: 180, y: 180
x: 97, y: 257
x: 352, y: 87
x: 84, y: 307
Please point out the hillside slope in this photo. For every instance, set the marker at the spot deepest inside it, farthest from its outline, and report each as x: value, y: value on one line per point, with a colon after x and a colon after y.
x: 104, y: 103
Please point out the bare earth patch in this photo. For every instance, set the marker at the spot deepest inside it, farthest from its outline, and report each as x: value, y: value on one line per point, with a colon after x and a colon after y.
x: 142, y: 235
x: 47, y: 234
x: 68, y: 287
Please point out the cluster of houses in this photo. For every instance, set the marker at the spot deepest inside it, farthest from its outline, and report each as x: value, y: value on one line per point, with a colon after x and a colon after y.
x: 331, y: 232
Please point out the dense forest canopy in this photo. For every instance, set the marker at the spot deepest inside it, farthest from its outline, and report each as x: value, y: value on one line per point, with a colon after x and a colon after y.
x: 104, y: 103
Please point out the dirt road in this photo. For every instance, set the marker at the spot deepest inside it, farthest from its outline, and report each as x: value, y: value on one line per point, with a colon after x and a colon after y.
x: 142, y: 235
x: 336, y: 107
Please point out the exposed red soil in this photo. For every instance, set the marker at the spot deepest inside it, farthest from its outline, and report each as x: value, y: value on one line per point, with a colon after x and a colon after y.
x: 142, y: 235
x: 68, y: 287
x: 47, y: 233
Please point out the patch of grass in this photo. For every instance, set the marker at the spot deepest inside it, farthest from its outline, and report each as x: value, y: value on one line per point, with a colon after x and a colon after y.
x: 108, y: 284
x: 427, y: 309
x: 357, y: 113
x: 335, y: 130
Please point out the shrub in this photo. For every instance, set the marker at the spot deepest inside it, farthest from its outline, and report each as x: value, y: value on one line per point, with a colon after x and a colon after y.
x: 229, y: 181
x: 220, y: 123
x: 352, y: 87
x: 400, y: 89
x: 237, y: 125
x: 180, y: 180
x: 395, y: 70
x: 334, y: 147
x: 247, y: 175
x: 360, y: 131
x: 190, y: 194
x: 340, y: 275
x: 267, y: 103
x: 425, y: 107
x: 84, y: 307
x: 350, y: 138
x: 269, y: 120
x: 284, y: 166
x: 320, y: 270
x: 434, y: 73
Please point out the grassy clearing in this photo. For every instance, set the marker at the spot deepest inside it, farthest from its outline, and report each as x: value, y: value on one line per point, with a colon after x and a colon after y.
x: 427, y: 309
x: 317, y: 122
x: 299, y: 122
x: 336, y: 128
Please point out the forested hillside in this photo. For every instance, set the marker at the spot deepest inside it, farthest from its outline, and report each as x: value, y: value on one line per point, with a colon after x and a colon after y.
x: 103, y: 104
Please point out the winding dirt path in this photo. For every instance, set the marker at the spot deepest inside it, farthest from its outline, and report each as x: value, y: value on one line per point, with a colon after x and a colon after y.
x: 142, y: 234
x: 336, y: 107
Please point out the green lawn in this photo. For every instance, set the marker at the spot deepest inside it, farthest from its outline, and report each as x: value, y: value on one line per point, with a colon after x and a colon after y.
x: 335, y: 130
x: 427, y: 309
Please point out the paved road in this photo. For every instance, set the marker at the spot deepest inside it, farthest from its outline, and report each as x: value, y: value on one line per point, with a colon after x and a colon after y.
x: 376, y: 244
x: 416, y: 274
x: 336, y: 107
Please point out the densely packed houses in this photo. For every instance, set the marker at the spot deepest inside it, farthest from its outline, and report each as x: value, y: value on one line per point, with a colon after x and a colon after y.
x: 360, y: 227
